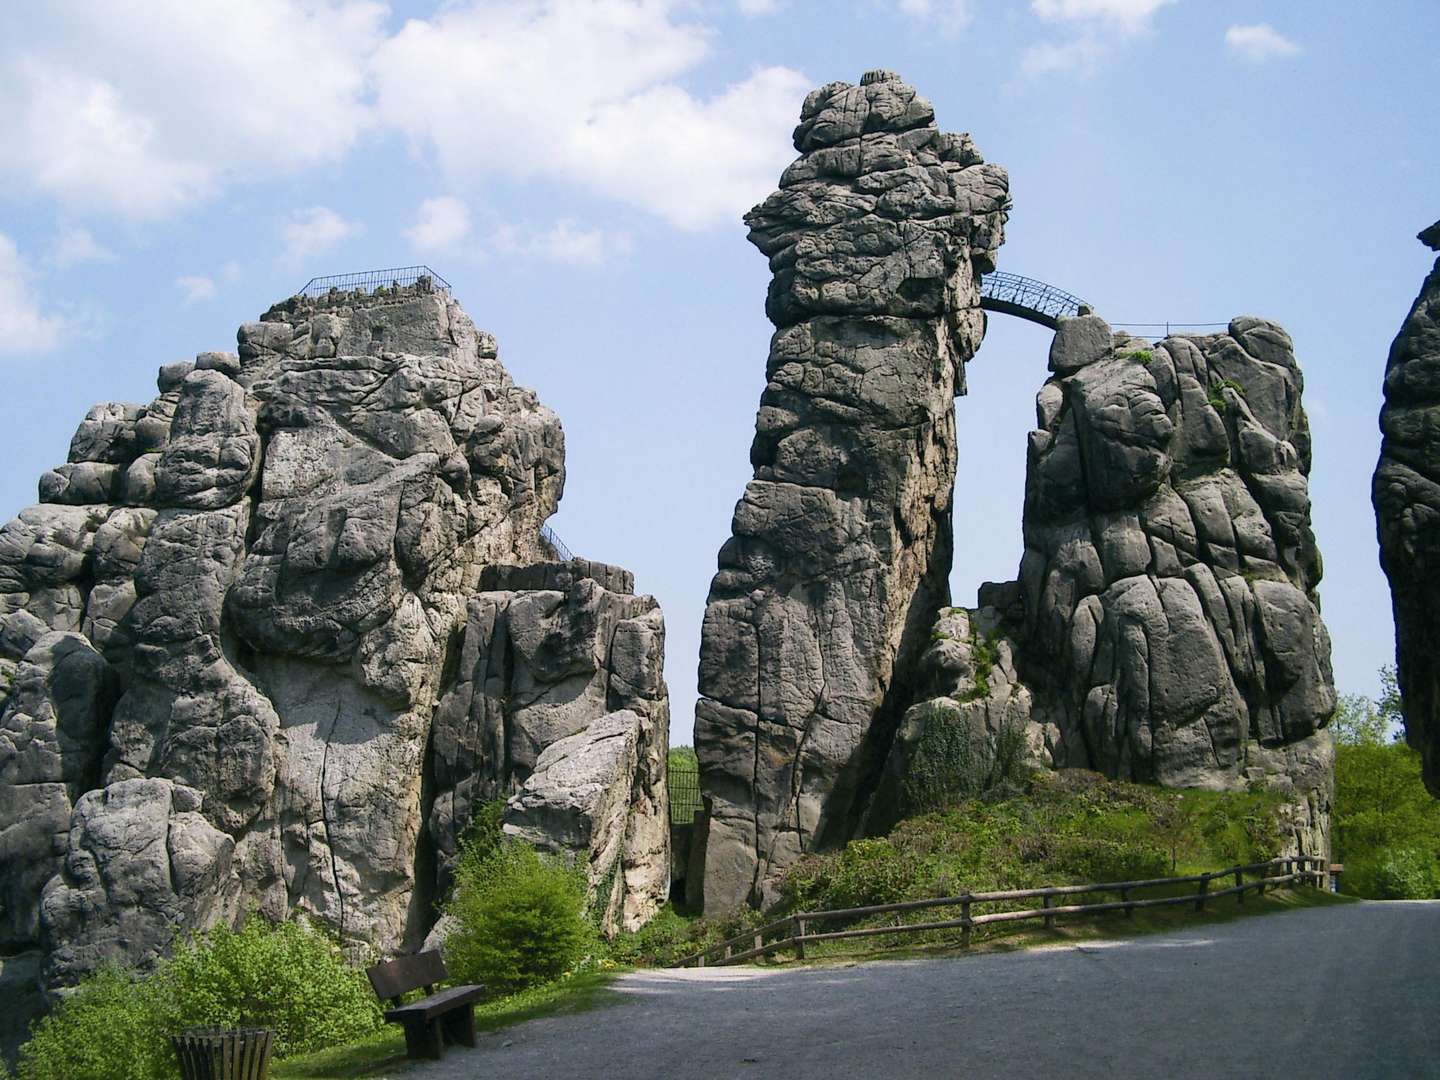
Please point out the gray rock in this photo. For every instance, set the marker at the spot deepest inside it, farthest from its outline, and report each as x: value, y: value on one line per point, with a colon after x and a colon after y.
x: 1078, y: 342
x: 547, y: 678
x: 577, y: 801
x: 1406, y: 494
x: 226, y: 637
x: 52, y: 733
x: 1171, y: 629
x: 840, y: 547
x: 141, y: 864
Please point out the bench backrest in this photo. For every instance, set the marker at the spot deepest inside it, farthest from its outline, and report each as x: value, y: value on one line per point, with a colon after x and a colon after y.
x: 392, y: 978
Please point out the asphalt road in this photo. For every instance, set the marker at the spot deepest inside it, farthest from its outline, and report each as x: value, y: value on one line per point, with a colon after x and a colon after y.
x: 1345, y: 991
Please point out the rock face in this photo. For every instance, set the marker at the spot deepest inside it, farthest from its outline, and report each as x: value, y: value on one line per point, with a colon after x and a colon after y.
x: 1170, y: 627
x: 842, y: 542
x: 266, y: 639
x: 973, y: 723
x: 1407, y: 510
x: 560, y: 701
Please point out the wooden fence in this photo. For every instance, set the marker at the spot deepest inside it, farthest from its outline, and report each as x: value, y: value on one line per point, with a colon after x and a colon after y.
x: 795, y: 931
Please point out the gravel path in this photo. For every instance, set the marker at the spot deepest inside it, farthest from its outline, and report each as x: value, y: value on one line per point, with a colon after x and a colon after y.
x: 1345, y: 991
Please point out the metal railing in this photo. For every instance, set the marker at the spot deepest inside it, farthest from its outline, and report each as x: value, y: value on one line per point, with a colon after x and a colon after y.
x: 555, y: 544
x: 1026, y: 298
x: 792, y: 932
x: 368, y: 281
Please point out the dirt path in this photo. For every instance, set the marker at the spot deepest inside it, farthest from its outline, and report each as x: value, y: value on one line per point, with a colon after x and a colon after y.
x: 1345, y: 991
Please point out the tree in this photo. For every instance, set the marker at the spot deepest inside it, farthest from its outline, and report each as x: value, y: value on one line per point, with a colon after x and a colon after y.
x: 1382, y: 814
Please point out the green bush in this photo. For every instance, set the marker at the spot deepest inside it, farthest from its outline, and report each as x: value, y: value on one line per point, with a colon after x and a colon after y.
x: 1405, y: 873
x: 662, y: 942
x: 110, y: 1028
x: 520, y: 918
x: 286, y: 976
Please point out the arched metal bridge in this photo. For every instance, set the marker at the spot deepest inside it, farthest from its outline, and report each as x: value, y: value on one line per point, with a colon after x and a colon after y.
x: 1026, y: 298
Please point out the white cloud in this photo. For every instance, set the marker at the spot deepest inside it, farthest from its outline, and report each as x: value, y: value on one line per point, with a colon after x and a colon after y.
x: 563, y: 242
x: 314, y: 232
x: 583, y: 95
x: 200, y: 96
x: 476, y: 85
x: 951, y: 16
x: 753, y: 8
x: 1082, y: 56
x: 23, y: 328
x: 1100, y: 25
x: 1128, y: 15
x: 1259, y: 42
x: 75, y: 245
x: 440, y: 225
x: 196, y: 288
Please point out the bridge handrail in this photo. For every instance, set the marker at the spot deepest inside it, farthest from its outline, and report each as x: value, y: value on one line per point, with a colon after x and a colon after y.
x: 1028, y: 298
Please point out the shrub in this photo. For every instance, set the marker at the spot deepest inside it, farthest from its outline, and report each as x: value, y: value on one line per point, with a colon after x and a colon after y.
x: 109, y: 1028
x: 866, y: 872
x: 1403, y: 873
x: 662, y: 942
x: 286, y: 976
x: 520, y: 918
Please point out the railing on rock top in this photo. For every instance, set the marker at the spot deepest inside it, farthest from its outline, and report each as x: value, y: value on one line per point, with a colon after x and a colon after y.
x: 1026, y: 298
x: 395, y: 277
x: 794, y: 931
x: 555, y: 544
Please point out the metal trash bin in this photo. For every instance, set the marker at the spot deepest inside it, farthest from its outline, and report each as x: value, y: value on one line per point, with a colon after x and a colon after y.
x: 224, y: 1053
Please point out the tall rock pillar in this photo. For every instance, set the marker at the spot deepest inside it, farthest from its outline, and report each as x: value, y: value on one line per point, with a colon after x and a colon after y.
x: 841, y: 544
x: 1407, y: 511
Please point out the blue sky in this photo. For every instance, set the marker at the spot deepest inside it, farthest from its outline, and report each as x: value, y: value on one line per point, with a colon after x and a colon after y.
x: 578, y: 171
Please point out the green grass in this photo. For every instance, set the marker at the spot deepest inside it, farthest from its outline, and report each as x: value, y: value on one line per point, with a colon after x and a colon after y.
x: 384, y: 1053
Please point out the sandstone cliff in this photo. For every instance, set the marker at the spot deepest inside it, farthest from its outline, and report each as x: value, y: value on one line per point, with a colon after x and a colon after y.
x: 263, y: 631
x: 1406, y: 494
x: 842, y: 542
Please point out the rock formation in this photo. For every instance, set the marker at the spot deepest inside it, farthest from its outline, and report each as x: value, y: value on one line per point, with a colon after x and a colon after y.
x: 560, y: 696
x: 1406, y: 494
x: 266, y: 640
x: 842, y: 542
x: 1170, y: 627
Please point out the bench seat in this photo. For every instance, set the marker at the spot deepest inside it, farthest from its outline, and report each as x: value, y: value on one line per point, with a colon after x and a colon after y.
x: 442, y: 1016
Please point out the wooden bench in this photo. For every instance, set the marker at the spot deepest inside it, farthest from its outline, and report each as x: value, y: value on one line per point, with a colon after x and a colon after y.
x: 444, y: 1016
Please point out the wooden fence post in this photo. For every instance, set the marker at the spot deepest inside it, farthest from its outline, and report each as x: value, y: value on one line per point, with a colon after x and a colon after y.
x: 965, y: 921
x: 1129, y: 907
x: 1240, y: 884
x: 1049, y: 919
x: 1200, y: 896
x: 799, y: 939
